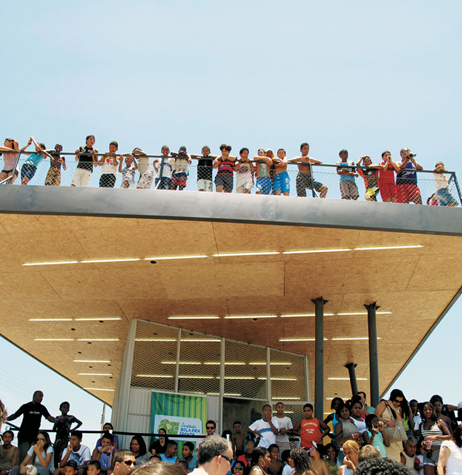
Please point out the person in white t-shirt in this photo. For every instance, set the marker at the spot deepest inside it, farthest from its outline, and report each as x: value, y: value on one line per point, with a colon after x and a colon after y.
x: 265, y: 428
x: 450, y: 461
x: 81, y: 454
x: 285, y: 428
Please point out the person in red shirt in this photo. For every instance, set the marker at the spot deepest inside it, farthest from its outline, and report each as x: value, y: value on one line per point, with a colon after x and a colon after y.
x: 387, y: 183
x: 309, y: 429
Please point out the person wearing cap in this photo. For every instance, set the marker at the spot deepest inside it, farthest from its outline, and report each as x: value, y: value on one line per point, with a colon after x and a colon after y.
x: 109, y: 163
x: 124, y: 462
x: 406, y: 179
x: 70, y: 468
x: 53, y: 177
x: 215, y: 456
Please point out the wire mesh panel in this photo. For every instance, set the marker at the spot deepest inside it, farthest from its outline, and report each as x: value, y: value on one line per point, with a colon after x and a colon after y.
x: 199, y: 364
x: 287, y: 376
x: 245, y: 371
x: 154, y: 359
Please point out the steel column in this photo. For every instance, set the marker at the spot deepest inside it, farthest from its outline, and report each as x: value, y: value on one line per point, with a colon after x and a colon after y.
x: 373, y: 352
x: 319, y: 358
x: 352, y: 372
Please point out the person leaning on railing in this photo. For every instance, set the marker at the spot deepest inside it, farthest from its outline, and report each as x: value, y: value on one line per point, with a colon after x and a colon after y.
x: 406, y: 180
x: 10, y: 153
x: 304, y: 173
x: 53, y: 177
x: 86, y: 158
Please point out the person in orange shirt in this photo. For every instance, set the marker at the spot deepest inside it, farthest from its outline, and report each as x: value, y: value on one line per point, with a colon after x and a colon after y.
x: 309, y: 429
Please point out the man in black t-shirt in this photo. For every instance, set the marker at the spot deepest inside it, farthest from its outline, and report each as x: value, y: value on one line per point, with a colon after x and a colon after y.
x: 32, y: 413
x: 86, y: 158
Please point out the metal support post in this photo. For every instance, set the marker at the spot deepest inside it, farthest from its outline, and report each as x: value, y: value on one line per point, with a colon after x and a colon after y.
x: 319, y: 358
x: 222, y: 380
x: 373, y: 352
x: 178, y: 356
x: 352, y: 372
x: 313, y: 192
x: 268, y: 375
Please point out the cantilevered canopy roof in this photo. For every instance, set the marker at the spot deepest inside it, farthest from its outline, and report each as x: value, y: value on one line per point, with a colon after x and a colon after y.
x: 74, y: 316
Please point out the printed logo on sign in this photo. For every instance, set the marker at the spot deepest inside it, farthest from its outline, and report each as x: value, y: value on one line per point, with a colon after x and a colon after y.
x: 175, y: 425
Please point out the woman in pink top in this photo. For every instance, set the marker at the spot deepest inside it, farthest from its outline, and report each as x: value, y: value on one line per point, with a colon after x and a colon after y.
x: 10, y: 155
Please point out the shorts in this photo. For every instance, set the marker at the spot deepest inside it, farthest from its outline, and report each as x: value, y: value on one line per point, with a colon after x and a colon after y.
x: 145, y: 181
x: 244, y: 186
x: 107, y: 180
x: 371, y: 193
x: 264, y: 185
x: 433, y: 461
x: 204, y: 185
x: 407, y: 193
x: 387, y: 190
x: 164, y: 184
x: 53, y: 177
x: 7, y: 172
x: 349, y: 190
x: 226, y: 181
x: 445, y: 198
x: 281, y: 182
x: 81, y: 177
x: 180, y: 179
x: 304, y: 183
x: 28, y: 171
x: 129, y: 177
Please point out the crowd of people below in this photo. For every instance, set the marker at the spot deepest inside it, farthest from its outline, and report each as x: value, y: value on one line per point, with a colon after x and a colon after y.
x: 423, y: 438
x: 394, y: 182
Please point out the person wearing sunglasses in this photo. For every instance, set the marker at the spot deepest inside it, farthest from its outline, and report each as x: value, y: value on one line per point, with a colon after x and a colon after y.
x: 238, y: 468
x: 39, y: 455
x: 215, y: 456
x: 124, y: 462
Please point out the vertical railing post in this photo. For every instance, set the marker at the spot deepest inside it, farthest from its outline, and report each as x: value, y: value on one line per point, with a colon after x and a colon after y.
x: 307, y: 380
x: 373, y: 352
x: 313, y: 192
x: 319, y: 358
x: 222, y: 379
x: 454, y: 177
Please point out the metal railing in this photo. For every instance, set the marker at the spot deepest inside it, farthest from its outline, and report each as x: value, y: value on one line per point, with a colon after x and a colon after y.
x: 170, y: 173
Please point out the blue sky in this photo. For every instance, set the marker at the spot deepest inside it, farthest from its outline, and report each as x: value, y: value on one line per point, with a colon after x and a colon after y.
x: 362, y: 75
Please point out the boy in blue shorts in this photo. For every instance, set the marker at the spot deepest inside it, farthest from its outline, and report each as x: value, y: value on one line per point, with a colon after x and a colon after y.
x: 263, y: 163
x: 281, y: 181
x: 225, y: 164
x: 167, y: 165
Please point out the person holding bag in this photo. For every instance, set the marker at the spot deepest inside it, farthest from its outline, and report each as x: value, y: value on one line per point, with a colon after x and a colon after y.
x: 391, y: 414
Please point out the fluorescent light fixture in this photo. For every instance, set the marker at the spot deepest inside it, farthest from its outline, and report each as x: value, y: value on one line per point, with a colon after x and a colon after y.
x: 232, y: 394
x: 362, y: 313
x: 110, y: 260
x: 53, y: 339
x: 353, y: 338
x: 202, y: 340
x: 313, y: 251
x: 247, y: 254
x: 181, y: 362
x: 385, y: 247
x: 154, y: 376
x: 331, y: 398
x: 346, y: 379
x: 300, y: 339
x: 194, y: 317
x: 306, y: 315
x: 236, y: 317
x: 286, y: 399
x: 92, y: 361
x: 99, y: 389
x: 97, y: 319
x: 261, y: 363
x: 155, y: 339
x: 238, y: 377
x: 262, y: 378
x: 97, y: 339
x: 94, y: 374
x: 227, y: 363
x: 184, y: 376
x: 50, y: 319
x: 166, y: 258
x: 50, y: 263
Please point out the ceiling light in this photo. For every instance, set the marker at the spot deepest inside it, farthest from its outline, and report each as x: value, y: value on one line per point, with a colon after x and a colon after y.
x: 99, y: 389
x: 50, y: 319
x: 97, y: 339
x: 238, y: 377
x: 173, y: 257
x: 109, y: 260
x: 300, y: 339
x: 212, y: 340
x: 285, y: 398
x: 331, y: 398
x: 94, y: 374
x: 307, y: 315
x: 97, y: 319
x: 346, y: 379
x: 278, y: 379
x: 386, y: 247
x: 50, y: 263
x: 155, y: 339
x: 154, y: 376
x: 229, y: 317
x: 247, y: 254
x: 53, y: 339
x: 353, y: 338
x: 196, y: 376
x: 316, y: 250
x: 261, y: 363
x: 181, y: 362
x: 231, y: 394
x: 92, y: 361
x: 362, y: 313
x: 194, y: 317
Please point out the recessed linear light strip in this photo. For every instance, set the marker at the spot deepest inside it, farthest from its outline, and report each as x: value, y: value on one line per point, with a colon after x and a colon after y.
x: 194, y: 317
x: 94, y: 374
x: 92, y: 361
x: 326, y: 339
x: 346, y: 379
x: 241, y: 254
x: 235, y: 317
x: 92, y: 319
x: 78, y: 339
